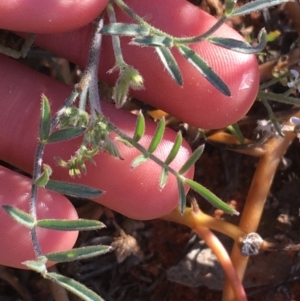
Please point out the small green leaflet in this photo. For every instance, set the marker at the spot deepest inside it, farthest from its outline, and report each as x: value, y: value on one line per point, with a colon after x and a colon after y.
x: 234, y: 129
x: 138, y: 160
x: 70, y: 225
x: 78, y: 253
x: 37, y: 265
x: 170, y: 64
x: 65, y: 134
x: 153, y: 41
x: 192, y: 160
x: 139, y: 127
x: 182, y: 197
x: 163, y: 178
x: 257, y: 5
x: 20, y: 216
x: 229, y: 6
x: 43, y: 179
x: 175, y: 149
x: 157, y: 137
x: 112, y: 149
x: 211, y: 197
x: 73, y: 189
x: 45, y: 121
x: 240, y: 46
x: 279, y: 98
x: 125, y: 29
x: 74, y: 287
x: 193, y: 58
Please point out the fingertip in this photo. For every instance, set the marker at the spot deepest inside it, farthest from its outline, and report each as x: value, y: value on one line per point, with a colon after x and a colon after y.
x: 198, y: 102
x: 132, y: 192
x: 16, y: 245
x: 136, y: 192
x: 48, y: 16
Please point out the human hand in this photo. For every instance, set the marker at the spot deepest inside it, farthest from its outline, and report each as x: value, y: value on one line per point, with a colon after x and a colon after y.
x: 134, y: 193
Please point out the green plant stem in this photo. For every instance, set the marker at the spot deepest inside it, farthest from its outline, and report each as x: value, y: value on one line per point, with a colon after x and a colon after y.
x: 142, y: 149
x: 68, y: 102
x: 27, y: 44
x: 115, y: 38
x: 91, y: 70
x: 278, y: 97
x: 203, y: 36
x: 37, y: 168
x: 155, y: 31
x: 89, y: 80
x: 272, y: 117
x: 123, y: 6
x: 272, y: 82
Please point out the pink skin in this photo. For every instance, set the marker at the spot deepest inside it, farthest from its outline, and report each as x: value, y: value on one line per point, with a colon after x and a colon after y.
x: 49, y: 16
x: 197, y: 102
x: 134, y: 193
x: 15, y: 239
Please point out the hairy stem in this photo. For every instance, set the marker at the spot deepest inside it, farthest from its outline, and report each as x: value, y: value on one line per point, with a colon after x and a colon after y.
x: 91, y: 70
x: 159, y: 32
x: 139, y: 147
x: 115, y: 38
x: 89, y: 79
x: 37, y: 168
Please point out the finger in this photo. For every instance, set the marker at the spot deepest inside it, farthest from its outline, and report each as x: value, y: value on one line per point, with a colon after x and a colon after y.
x: 16, y: 245
x: 132, y: 192
x: 48, y: 16
x: 197, y: 102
